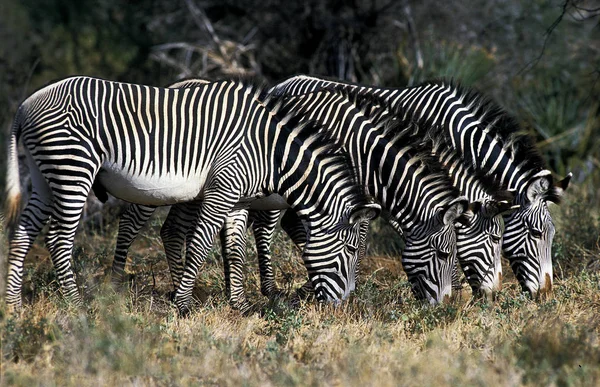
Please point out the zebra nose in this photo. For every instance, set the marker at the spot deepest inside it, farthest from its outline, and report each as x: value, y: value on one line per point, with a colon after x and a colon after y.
x: 547, y: 287
x: 499, y: 284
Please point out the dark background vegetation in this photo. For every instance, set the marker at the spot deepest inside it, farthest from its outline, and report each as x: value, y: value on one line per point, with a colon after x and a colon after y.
x: 539, y: 59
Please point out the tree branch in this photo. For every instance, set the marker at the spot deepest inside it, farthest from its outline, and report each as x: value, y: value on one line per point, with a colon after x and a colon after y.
x: 547, y: 34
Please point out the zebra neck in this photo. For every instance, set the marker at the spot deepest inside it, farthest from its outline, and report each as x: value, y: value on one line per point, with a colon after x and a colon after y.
x: 314, y: 184
x: 403, y: 182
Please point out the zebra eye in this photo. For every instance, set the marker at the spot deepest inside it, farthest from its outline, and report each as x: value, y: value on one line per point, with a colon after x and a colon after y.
x: 352, y: 249
x: 443, y: 255
x: 537, y: 234
x: 495, y: 238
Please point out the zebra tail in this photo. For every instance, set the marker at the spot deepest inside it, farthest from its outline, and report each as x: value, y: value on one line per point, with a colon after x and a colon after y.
x: 12, y: 207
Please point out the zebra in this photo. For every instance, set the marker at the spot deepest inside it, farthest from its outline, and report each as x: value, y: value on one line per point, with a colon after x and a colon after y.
x: 428, y: 227
x: 478, y: 243
x: 493, y: 144
x: 217, y: 142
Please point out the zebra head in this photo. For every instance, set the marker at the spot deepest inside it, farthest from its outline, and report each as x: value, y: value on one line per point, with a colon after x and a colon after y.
x: 479, y: 245
x: 530, y: 230
x: 331, y: 255
x: 429, y: 255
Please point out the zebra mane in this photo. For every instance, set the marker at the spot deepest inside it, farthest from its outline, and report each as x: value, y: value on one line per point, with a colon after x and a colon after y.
x: 188, y: 82
x: 369, y: 104
x: 254, y: 84
x: 500, y: 125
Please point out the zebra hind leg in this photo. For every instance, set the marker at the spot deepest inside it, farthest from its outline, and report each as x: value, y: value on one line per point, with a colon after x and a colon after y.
x: 263, y: 226
x: 130, y: 224
x: 63, y: 225
x: 34, y: 217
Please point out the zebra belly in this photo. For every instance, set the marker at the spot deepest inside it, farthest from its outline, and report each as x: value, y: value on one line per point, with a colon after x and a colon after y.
x: 150, y: 190
x: 271, y: 202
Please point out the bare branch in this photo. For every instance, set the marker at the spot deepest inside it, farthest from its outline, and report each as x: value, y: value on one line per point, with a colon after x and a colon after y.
x: 202, y: 21
x: 164, y: 58
x: 547, y: 34
x: 412, y: 32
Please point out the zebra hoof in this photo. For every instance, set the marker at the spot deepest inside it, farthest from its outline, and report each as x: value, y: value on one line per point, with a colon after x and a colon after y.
x: 171, y: 296
x: 244, y: 307
x: 14, y: 309
x: 183, y: 311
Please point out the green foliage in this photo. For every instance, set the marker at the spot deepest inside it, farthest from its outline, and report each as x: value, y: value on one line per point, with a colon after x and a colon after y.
x: 422, y: 319
x: 283, y: 320
x: 447, y: 60
x: 558, y: 110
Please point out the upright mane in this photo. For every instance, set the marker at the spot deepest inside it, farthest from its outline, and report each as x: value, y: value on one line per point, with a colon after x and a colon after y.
x: 497, y: 123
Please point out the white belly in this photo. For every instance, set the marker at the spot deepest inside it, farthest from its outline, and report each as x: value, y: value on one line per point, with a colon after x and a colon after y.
x: 150, y: 190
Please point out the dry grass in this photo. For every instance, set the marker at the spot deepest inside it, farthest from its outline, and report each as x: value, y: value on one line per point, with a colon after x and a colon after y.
x: 380, y: 337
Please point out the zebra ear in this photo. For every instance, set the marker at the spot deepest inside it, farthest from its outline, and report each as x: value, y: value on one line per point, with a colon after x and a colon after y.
x: 538, y: 186
x: 506, y: 208
x: 454, y: 210
x: 541, y: 187
x: 502, y: 207
x: 368, y: 211
x: 558, y: 190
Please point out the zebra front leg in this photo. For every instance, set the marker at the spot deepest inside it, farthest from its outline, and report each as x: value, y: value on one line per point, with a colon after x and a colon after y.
x: 293, y: 226
x: 233, y: 249
x: 217, y: 203
x: 34, y: 217
x: 132, y: 221
x: 263, y: 226
x: 179, y: 221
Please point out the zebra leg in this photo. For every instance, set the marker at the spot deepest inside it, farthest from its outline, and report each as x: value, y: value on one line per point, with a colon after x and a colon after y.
x: 218, y: 201
x: 67, y: 210
x: 233, y: 248
x: 263, y: 226
x: 292, y: 225
x: 132, y: 220
x: 172, y: 233
x: 34, y: 217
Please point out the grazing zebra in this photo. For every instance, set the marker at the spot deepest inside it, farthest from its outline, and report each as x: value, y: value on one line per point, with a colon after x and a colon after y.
x: 479, y: 242
x: 393, y: 168
x: 492, y: 143
x: 154, y: 146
